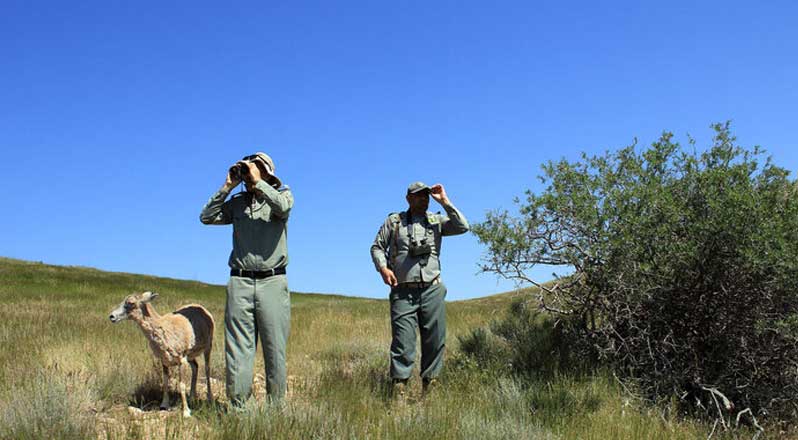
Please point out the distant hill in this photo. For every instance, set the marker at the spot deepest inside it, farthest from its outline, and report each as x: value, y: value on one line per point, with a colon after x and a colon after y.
x: 23, y: 278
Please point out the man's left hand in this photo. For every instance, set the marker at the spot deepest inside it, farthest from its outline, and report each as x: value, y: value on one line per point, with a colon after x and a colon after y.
x: 438, y: 193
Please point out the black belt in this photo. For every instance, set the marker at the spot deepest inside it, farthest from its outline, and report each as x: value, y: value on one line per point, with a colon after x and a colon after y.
x: 257, y: 274
x: 420, y: 284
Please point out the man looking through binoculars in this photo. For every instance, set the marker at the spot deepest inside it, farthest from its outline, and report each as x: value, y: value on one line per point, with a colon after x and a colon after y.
x: 258, y: 302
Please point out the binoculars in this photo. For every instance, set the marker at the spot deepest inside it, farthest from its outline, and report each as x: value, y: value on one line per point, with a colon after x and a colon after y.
x: 239, y: 171
x: 420, y: 249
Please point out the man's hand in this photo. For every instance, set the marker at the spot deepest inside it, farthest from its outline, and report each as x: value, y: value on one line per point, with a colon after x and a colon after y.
x: 230, y: 182
x: 388, y: 277
x: 254, y: 173
x: 439, y: 194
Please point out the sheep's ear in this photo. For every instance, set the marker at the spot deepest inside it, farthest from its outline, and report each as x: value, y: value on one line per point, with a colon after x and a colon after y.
x: 148, y: 296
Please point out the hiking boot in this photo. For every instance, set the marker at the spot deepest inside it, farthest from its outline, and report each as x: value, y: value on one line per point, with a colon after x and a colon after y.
x: 399, y: 391
x: 429, y: 385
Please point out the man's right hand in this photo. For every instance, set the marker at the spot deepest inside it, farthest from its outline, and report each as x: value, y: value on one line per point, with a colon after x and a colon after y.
x: 388, y: 277
x: 230, y: 182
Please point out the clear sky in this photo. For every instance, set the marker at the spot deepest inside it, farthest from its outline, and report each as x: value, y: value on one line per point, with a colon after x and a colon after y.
x: 119, y: 119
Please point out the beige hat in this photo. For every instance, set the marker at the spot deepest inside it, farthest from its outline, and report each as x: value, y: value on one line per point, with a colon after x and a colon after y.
x: 268, y: 163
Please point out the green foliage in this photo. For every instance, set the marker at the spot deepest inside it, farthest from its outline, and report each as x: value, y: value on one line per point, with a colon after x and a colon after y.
x: 683, y: 267
x: 524, y: 341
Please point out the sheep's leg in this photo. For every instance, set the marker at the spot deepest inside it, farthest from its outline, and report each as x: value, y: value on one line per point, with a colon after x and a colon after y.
x: 194, y: 372
x: 186, y: 411
x: 165, y: 400
x: 208, y: 374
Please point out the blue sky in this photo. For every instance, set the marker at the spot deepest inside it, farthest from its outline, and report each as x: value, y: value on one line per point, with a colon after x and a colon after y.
x: 119, y: 119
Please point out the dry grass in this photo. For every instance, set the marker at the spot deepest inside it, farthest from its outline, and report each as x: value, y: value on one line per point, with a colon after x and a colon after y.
x: 67, y: 372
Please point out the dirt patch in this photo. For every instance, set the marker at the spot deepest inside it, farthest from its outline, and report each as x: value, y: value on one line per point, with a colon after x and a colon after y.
x: 147, y: 420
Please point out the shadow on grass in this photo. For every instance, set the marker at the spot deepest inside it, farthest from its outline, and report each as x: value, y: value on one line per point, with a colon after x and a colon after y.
x: 147, y: 397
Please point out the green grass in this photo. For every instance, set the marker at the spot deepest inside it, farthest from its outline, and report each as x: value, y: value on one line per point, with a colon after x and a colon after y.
x: 67, y: 372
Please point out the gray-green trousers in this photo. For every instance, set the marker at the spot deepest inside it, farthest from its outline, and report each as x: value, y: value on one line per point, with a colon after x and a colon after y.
x: 424, y: 309
x: 256, y: 308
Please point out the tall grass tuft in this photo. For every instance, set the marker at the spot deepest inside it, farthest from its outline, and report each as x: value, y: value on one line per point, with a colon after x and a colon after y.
x: 46, y: 406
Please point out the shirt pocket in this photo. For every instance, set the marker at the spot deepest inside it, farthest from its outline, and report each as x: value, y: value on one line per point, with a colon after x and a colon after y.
x: 433, y: 237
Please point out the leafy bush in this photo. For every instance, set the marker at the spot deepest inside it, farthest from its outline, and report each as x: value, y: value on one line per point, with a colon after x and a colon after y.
x: 683, y: 268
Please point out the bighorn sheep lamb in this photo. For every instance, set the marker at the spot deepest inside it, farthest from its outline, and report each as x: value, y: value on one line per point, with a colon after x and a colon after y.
x: 175, y: 339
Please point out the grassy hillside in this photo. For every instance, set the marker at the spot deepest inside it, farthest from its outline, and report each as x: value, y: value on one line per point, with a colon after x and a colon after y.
x: 67, y: 372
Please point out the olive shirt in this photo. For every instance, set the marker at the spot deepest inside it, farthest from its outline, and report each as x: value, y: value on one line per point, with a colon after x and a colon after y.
x: 395, y: 254
x: 259, y: 225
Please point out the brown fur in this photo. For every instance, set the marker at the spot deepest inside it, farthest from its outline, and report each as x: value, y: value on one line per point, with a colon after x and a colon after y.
x: 187, y: 332
x: 175, y: 339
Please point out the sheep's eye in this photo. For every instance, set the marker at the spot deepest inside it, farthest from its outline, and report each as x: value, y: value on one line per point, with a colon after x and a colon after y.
x: 129, y: 305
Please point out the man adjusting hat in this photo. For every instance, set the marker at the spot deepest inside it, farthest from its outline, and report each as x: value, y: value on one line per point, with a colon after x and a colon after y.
x: 406, y: 253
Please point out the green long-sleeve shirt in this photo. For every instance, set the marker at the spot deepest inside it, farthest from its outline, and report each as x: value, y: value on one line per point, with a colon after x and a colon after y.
x: 259, y: 222
x: 396, y: 255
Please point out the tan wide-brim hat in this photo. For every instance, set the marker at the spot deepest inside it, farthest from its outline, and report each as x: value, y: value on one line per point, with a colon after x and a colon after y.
x: 268, y: 163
